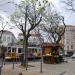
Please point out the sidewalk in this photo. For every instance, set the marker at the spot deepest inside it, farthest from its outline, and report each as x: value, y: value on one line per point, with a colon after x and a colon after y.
x: 34, y: 69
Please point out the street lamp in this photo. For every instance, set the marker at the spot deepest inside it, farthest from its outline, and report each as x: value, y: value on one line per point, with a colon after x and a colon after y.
x: 41, y: 60
x: 41, y: 41
x: 1, y: 65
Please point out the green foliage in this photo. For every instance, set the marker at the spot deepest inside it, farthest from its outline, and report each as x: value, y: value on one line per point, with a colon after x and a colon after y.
x: 33, y: 1
x: 20, y: 42
x: 46, y: 1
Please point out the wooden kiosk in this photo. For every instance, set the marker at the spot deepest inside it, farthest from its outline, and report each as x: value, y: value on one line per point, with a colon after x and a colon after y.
x: 51, y: 53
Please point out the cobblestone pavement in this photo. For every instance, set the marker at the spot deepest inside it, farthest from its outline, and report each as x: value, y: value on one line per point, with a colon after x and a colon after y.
x: 34, y: 69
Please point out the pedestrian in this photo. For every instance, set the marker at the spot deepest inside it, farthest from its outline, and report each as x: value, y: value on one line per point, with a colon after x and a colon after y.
x: 33, y: 56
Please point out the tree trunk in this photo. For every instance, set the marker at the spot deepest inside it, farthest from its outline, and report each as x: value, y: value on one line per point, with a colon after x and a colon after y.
x: 25, y: 52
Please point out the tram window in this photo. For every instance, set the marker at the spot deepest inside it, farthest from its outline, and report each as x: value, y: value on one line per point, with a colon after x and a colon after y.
x: 35, y: 50
x: 9, y: 49
x: 29, y: 49
x: 19, y: 50
x: 32, y: 50
x: 13, y: 49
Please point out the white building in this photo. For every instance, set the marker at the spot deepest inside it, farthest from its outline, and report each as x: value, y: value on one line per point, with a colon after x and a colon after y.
x: 34, y: 39
x: 69, y: 39
x: 7, y: 37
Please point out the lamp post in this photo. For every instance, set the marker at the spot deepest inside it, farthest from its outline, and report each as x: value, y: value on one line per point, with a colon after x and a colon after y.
x: 41, y: 42
x: 1, y: 65
x: 41, y: 61
x: 0, y: 69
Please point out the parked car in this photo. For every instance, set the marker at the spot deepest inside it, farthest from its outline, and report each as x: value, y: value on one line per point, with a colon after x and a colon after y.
x: 67, y: 55
x: 73, y: 56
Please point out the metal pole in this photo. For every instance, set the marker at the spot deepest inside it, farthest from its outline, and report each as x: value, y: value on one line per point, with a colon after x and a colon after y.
x: 0, y: 69
x: 13, y: 64
x: 25, y: 51
x: 2, y: 62
x: 41, y: 62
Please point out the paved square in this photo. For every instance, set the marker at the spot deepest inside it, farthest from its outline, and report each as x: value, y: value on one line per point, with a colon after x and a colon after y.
x: 34, y: 69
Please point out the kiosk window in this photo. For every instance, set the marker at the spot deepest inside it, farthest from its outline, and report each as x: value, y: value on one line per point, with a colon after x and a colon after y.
x: 19, y: 50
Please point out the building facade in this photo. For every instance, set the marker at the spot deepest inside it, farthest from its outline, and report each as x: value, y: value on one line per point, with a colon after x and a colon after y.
x: 34, y: 39
x: 69, y: 39
x: 7, y: 37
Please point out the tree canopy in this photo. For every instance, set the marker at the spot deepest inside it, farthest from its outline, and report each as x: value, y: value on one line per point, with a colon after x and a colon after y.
x: 53, y: 25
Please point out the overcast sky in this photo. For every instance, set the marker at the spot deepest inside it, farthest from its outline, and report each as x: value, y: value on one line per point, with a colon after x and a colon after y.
x: 6, y: 9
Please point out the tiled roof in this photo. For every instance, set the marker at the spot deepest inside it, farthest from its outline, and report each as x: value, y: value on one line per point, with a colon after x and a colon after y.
x: 70, y: 26
x: 50, y: 44
x: 7, y: 32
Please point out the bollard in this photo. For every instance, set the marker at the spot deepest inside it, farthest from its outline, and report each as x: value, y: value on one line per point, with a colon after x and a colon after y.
x: 0, y: 69
x: 13, y: 64
x: 20, y: 73
x: 16, y: 60
x: 4, y: 62
x: 41, y: 63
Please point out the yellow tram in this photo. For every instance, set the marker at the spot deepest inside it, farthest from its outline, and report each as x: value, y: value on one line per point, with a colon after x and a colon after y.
x: 14, y: 52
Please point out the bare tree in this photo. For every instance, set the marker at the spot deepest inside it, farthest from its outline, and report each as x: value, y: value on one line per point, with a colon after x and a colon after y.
x: 3, y: 25
x: 26, y: 18
x: 54, y: 25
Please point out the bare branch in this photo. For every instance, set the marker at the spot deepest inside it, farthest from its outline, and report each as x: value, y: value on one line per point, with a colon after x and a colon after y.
x: 70, y: 5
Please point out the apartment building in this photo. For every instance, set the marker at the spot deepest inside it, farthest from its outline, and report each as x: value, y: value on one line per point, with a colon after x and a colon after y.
x: 69, y: 39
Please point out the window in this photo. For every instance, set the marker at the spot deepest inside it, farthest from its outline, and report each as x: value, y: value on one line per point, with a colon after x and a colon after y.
x: 9, y: 49
x: 67, y: 47
x: 19, y: 50
x: 4, y: 38
x: 67, y: 42
x: 8, y: 39
x: 74, y: 37
x: 13, y: 49
x: 35, y: 50
x: 71, y: 46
